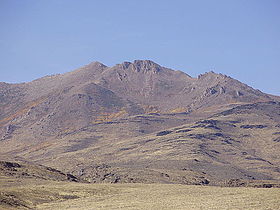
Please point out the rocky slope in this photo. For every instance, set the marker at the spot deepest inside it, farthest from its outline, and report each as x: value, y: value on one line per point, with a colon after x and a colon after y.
x: 141, y: 122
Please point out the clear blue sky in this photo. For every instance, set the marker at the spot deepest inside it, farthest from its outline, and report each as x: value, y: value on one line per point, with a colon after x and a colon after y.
x: 240, y: 38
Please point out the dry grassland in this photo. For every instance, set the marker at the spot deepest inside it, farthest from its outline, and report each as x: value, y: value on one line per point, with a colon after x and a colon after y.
x: 64, y: 195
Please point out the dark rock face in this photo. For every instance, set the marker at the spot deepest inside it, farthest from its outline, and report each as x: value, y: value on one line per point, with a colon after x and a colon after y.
x: 207, y: 124
x: 163, y: 133
x: 183, y: 131
x: 252, y: 126
x: 250, y: 183
x: 72, y: 178
x: 277, y: 139
x: 10, y: 165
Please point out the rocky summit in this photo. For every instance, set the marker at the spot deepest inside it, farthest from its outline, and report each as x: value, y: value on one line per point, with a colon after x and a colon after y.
x: 143, y: 123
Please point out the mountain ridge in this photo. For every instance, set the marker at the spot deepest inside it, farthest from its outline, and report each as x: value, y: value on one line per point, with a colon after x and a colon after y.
x: 145, y: 114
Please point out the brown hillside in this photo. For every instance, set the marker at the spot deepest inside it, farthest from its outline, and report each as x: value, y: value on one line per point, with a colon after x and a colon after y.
x: 141, y: 122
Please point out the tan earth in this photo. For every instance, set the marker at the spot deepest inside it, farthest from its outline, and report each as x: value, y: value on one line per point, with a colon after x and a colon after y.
x: 140, y: 123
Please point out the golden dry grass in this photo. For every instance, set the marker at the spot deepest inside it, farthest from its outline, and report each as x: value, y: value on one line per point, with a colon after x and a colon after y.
x: 65, y: 195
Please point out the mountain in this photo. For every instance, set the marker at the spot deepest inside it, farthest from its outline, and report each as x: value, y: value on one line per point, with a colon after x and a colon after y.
x: 141, y: 122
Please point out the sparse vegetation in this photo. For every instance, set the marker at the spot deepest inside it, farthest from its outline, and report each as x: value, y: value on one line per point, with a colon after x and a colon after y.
x: 138, y: 123
x: 61, y: 195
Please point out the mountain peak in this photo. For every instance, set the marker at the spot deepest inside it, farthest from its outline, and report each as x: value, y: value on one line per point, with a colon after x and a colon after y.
x: 143, y: 66
x: 93, y: 67
x: 145, y: 62
x: 211, y: 74
x: 95, y: 64
x: 146, y: 66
